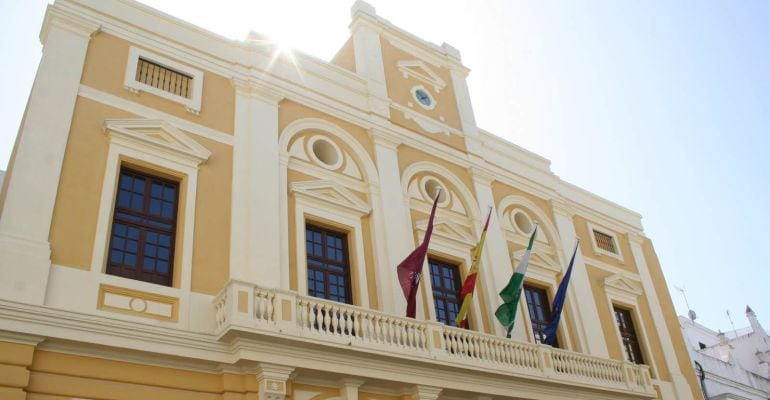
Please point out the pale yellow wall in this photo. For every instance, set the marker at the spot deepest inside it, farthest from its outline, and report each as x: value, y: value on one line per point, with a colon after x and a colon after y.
x: 652, y: 353
x: 672, y: 322
x: 57, y: 374
x: 14, y: 376
x: 587, y: 248
x: 105, y: 67
x: 399, y: 90
x: 73, y: 227
x: 409, y: 155
x: 211, y: 250
x: 346, y: 57
x: 289, y: 112
x: 371, y: 266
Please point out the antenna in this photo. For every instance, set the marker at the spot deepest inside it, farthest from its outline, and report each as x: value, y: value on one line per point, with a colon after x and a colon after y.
x: 730, y: 318
x: 690, y: 312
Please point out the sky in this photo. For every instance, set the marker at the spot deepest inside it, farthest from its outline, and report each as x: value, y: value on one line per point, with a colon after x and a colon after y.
x: 660, y: 106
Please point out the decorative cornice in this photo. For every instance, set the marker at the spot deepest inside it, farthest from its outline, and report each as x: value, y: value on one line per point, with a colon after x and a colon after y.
x: 58, y: 17
x: 256, y: 89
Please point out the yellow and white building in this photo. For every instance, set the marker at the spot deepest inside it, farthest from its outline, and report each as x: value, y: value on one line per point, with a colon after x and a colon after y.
x: 181, y: 209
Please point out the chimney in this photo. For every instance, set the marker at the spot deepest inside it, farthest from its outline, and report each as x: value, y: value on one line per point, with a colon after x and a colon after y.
x: 752, y: 317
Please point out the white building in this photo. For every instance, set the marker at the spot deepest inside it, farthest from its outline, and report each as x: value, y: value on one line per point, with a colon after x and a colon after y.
x: 734, y: 365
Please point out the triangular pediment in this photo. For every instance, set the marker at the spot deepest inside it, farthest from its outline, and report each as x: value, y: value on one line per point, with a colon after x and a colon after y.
x: 537, y: 258
x: 331, y: 193
x: 419, y: 70
x: 448, y: 229
x: 157, y: 134
x: 623, y: 284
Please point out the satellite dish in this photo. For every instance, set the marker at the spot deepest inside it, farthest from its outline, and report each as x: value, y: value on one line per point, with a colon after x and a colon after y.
x: 692, y: 315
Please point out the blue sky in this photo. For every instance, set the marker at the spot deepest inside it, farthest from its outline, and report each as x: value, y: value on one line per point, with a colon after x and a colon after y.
x: 662, y: 107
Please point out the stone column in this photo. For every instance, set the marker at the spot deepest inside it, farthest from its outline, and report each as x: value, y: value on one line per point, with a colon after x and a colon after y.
x: 580, y: 302
x: 272, y: 381
x: 496, y: 269
x: 33, y: 177
x: 254, y: 245
x: 396, y: 224
x: 681, y: 387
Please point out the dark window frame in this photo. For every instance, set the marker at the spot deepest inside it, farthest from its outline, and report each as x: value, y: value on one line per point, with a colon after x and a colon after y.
x: 446, y: 296
x: 128, y: 220
x: 630, y: 339
x: 540, y: 313
x: 325, y: 265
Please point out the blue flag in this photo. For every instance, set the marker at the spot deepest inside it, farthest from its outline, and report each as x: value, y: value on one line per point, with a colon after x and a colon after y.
x: 558, y: 303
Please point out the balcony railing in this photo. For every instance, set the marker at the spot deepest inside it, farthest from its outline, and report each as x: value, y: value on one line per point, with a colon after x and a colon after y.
x: 242, y: 306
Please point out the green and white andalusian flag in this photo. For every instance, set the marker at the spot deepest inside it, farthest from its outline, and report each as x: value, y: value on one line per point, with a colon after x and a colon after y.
x: 506, y: 313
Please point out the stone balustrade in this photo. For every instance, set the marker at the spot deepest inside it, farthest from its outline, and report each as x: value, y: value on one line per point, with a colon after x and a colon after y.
x: 242, y: 306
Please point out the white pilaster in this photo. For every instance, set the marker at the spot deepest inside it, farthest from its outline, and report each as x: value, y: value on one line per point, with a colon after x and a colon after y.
x: 459, y: 75
x: 681, y: 387
x: 396, y: 223
x: 497, y: 269
x: 254, y: 246
x: 25, y: 253
x: 272, y: 381
x: 368, y: 55
x: 580, y: 299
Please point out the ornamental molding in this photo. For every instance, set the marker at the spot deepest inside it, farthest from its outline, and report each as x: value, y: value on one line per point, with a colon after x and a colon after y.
x: 427, y: 124
x: 623, y: 286
x: 447, y: 229
x: 331, y: 193
x: 420, y: 71
x: 158, y: 135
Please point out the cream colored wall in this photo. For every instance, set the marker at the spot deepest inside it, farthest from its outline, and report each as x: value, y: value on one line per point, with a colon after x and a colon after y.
x: 647, y: 334
x: 14, y: 376
x: 73, y: 227
x: 290, y: 111
x: 105, y: 67
x: 586, y: 246
x: 399, y: 90
x: 211, y: 253
x: 345, y: 57
x: 672, y: 322
x: 57, y: 374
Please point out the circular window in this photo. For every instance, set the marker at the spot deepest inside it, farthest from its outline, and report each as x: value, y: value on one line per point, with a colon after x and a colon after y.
x: 522, y: 221
x: 423, y: 97
x: 325, y: 152
x: 431, y: 186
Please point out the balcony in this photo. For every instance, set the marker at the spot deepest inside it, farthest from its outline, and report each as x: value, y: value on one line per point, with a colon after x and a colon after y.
x: 244, y: 310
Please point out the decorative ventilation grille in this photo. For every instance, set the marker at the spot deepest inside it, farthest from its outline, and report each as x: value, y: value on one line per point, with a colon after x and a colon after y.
x: 163, y: 78
x: 605, y: 242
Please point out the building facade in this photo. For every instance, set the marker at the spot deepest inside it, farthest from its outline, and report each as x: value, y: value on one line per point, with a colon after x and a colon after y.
x: 734, y: 365
x: 190, y: 217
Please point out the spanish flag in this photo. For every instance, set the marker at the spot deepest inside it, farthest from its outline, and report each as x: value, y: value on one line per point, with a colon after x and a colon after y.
x: 466, y: 294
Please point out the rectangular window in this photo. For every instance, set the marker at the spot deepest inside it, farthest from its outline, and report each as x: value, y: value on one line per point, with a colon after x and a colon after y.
x: 163, y: 78
x: 445, y: 281
x: 628, y: 335
x: 539, y: 311
x: 328, y: 269
x: 143, y: 228
x: 605, y: 242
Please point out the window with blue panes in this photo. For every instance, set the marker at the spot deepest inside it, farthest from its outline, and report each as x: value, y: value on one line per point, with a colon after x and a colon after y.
x: 446, y: 286
x: 328, y: 269
x: 143, y: 228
